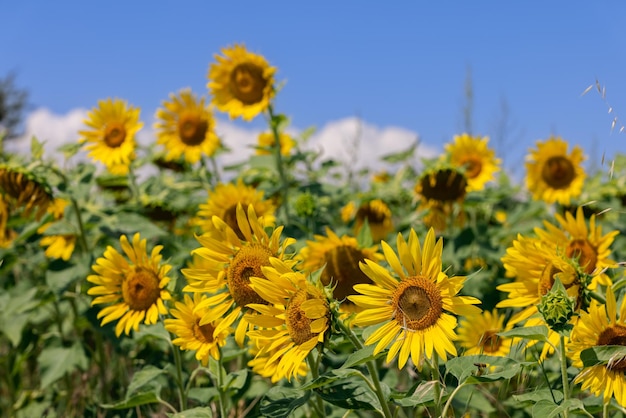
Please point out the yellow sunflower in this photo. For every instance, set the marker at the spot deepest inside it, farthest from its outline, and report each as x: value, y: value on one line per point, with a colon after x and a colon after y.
x: 348, y: 211
x: 57, y: 246
x: 478, y: 334
x: 132, y: 286
x: 111, y: 137
x: 6, y: 235
x: 378, y: 216
x: 242, y: 83
x: 223, y: 200
x: 340, y: 258
x: 584, y: 244
x: 266, y: 142
x: 416, y: 306
x: 205, y: 339
x: 441, y: 190
x: 292, y: 324
x: 600, y: 327
x: 21, y: 189
x: 474, y: 155
x: 231, y: 261
x: 186, y: 127
x: 553, y: 175
x: 262, y: 365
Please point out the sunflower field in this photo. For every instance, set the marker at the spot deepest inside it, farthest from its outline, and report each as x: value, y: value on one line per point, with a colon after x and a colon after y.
x: 155, y: 282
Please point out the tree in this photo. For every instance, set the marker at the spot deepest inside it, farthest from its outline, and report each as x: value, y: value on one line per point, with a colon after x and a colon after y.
x: 13, y: 102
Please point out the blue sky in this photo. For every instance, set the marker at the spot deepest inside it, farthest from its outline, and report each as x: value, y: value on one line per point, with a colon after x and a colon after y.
x: 401, y: 64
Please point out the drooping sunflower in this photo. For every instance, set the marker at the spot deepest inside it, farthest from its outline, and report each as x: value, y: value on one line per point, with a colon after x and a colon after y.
x: 441, y: 190
x: 231, y: 261
x: 186, y: 127
x: 340, y: 258
x: 23, y: 190
x: 293, y: 322
x: 6, y: 235
x: 223, y: 200
x: 417, y: 306
x: 473, y: 154
x: 378, y: 216
x: 478, y: 334
x: 553, y: 175
x: 584, y: 244
x: 262, y: 364
x: 600, y: 327
x: 205, y: 339
x: 133, y: 287
x: 241, y: 82
x: 266, y: 142
x: 57, y: 246
x: 111, y: 135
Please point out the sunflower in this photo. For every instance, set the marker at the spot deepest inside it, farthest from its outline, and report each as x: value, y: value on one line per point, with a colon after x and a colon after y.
x: 414, y: 307
x: 205, y: 339
x: 186, y: 127
x: 378, y: 216
x: 57, y: 246
x: 292, y: 324
x: 475, y: 157
x: 111, y: 137
x: 230, y: 262
x: 266, y: 142
x: 262, y: 365
x: 242, y: 83
x: 478, y: 334
x: 584, y: 244
x: 340, y: 258
x: 348, y: 211
x: 600, y: 327
x: 133, y: 288
x: 6, y: 235
x: 553, y: 175
x: 223, y: 200
x: 438, y: 189
x: 22, y: 189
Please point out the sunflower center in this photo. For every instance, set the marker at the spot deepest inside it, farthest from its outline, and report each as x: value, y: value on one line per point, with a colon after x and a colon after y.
x: 444, y: 185
x: 489, y: 341
x: 473, y: 167
x: 230, y: 217
x: 372, y: 215
x: 247, y: 263
x: 114, y: 135
x: 247, y: 83
x: 192, y: 130
x: 558, y: 172
x: 298, y: 324
x: 614, y: 335
x: 586, y: 254
x: 203, y: 333
x: 546, y: 281
x: 140, y: 289
x: 417, y: 303
x: 342, y: 269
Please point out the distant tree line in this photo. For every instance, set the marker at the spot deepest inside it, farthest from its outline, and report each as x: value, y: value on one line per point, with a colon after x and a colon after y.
x: 13, y: 102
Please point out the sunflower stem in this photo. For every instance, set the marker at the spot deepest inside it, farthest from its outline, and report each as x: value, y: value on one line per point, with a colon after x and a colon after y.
x: 605, y: 409
x: 371, y: 368
x: 449, y: 401
x: 81, y: 226
x: 314, y: 366
x: 215, y: 171
x: 598, y: 297
x: 279, y: 163
x: 564, y: 372
x: 220, y: 383
x: 436, y: 378
x: 182, y: 396
x: 132, y: 183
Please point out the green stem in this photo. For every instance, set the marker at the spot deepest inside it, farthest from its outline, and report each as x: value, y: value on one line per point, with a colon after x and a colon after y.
x: 279, y: 164
x: 314, y: 366
x: 182, y: 395
x: 371, y: 368
x: 216, y: 172
x: 220, y: 389
x: 449, y: 402
x: 436, y: 378
x: 132, y: 183
x: 81, y: 227
x: 598, y: 297
x: 564, y: 372
x: 102, y: 366
x: 605, y: 409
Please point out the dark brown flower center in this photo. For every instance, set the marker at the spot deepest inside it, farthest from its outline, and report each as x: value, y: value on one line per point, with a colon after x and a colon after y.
x: 247, y: 83
x: 373, y: 216
x: 203, y: 333
x: 558, y: 172
x: 114, y: 135
x: 247, y: 263
x: 614, y: 335
x: 489, y: 341
x: 298, y: 324
x: 230, y: 217
x: 342, y: 269
x: 473, y: 167
x: 140, y: 289
x: 584, y: 252
x: 417, y: 303
x: 192, y: 130
x: 445, y: 185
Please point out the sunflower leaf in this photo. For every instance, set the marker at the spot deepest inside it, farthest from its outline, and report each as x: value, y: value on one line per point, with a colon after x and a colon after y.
x: 401, y: 156
x: 423, y: 393
x: 602, y: 355
x: 482, y: 368
x: 361, y: 356
x: 198, y: 412
x: 349, y: 393
x: 280, y: 402
x: 55, y: 362
x: 143, y: 377
x: 364, y: 237
x: 137, y: 399
x: 548, y: 409
x: 539, y: 333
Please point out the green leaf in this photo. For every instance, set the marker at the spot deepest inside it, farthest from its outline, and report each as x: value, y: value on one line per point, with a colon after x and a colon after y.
x: 36, y: 148
x: 548, y: 409
x: 364, y: 237
x: 146, y: 332
x: 602, y: 354
x: 129, y: 223
x: 361, y: 356
x: 539, y: 333
x: 237, y: 380
x: 539, y: 395
x: 482, y: 368
x: 138, y: 399
x: 141, y: 378
x: 60, y: 227
x: 203, y: 395
x: 194, y: 413
x: 424, y: 393
x: 349, y: 393
x: 55, y: 362
x: 70, y: 149
x: 59, y: 280
x: 398, y: 157
x: 279, y: 401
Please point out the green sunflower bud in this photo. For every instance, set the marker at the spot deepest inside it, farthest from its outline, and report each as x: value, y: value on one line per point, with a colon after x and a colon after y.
x: 557, y: 307
x: 305, y: 205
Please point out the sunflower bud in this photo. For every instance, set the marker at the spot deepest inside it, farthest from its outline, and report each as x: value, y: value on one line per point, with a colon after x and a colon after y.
x: 557, y: 307
x: 305, y: 205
